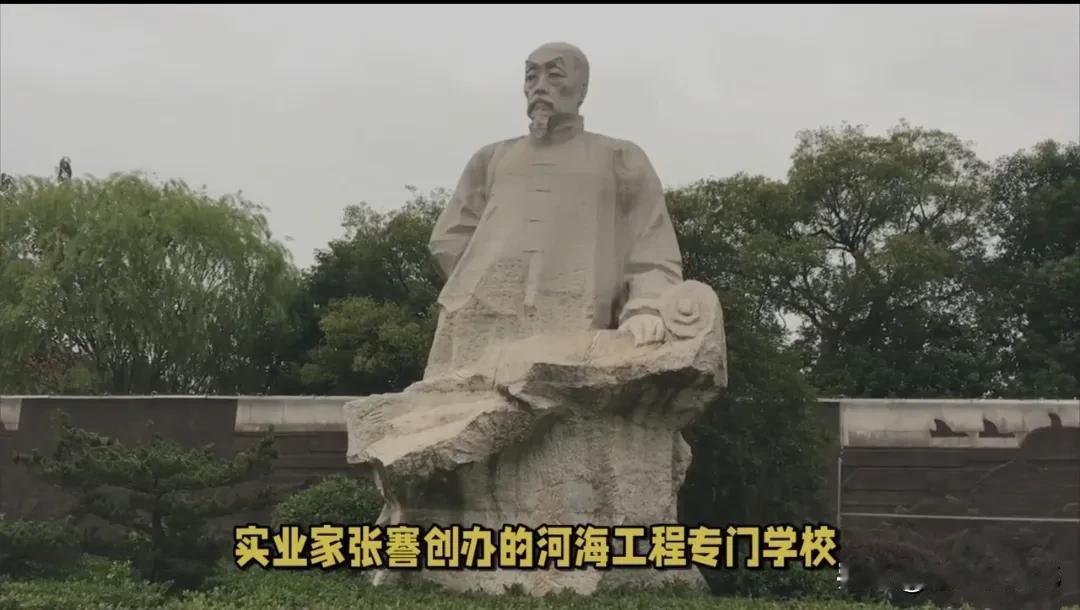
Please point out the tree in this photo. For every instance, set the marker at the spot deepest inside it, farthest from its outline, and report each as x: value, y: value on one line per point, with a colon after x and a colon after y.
x: 731, y: 233
x: 1032, y: 281
x: 887, y: 231
x: 374, y: 294
x: 123, y: 285
x: 383, y: 256
x: 757, y: 448
x: 160, y: 495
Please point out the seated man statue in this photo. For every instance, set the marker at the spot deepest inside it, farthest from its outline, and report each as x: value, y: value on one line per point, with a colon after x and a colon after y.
x: 559, y: 231
x: 569, y: 351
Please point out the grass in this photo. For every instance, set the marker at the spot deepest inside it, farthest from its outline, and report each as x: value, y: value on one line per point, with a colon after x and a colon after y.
x: 110, y: 586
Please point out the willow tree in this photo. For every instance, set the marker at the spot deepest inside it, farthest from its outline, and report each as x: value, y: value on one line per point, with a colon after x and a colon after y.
x: 125, y: 285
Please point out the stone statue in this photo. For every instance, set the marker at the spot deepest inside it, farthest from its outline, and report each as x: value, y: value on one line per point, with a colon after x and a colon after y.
x: 569, y: 352
x: 560, y: 231
x: 63, y: 173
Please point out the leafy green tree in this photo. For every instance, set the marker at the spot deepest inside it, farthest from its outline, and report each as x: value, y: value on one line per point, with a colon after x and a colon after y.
x: 1031, y: 284
x: 374, y: 294
x: 370, y: 347
x: 383, y: 256
x: 739, y: 235
x: 123, y: 285
x: 160, y: 496
x: 731, y: 233
x: 886, y: 233
x: 757, y: 448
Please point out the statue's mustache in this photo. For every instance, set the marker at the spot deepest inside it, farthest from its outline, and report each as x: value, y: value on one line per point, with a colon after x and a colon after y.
x: 540, y: 102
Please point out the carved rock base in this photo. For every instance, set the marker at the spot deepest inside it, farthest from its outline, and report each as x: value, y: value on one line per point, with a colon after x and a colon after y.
x: 582, y: 470
x: 551, y: 431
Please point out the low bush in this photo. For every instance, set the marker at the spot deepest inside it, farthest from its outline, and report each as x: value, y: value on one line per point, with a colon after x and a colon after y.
x: 256, y: 588
x: 96, y: 583
x: 114, y: 586
x: 795, y: 582
x: 336, y: 499
x: 37, y: 548
x: 341, y: 590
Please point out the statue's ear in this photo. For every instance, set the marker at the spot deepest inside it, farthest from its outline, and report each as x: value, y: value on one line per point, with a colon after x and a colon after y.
x: 584, y: 92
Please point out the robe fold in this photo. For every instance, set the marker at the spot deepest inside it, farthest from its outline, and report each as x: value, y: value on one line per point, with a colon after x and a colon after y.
x: 552, y: 237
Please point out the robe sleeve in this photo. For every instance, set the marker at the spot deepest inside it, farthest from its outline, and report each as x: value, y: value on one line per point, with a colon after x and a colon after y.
x: 459, y: 219
x: 653, y: 261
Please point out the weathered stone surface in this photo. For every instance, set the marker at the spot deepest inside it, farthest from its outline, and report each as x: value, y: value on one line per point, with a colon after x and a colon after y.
x: 562, y: 231
x: 561, y: 430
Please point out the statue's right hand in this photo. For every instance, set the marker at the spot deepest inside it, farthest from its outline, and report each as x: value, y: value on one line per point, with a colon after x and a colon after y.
x: 645, y: 328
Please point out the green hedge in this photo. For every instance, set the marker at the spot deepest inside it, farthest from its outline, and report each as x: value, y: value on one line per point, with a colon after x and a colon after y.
x: 97, y: 585
x: 37, y: 548
x: 345, y: 590
x: 112, y: 586
x: 795, y: 582
x: 116, y: 590
x: 337, y: 499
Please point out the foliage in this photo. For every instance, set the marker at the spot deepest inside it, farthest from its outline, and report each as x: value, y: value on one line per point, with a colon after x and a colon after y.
x: 1031, y: 284
x: 37, y: 548
x: 912, y: 269
x: 888, y: 225
x: 157, y: 498
x: 370, y: 347
x: 110, y: 586
x: 869, y: 245
x: 99, y: 584
x: 793, y: 583
x: 757, y: 449
x: 875, y: 247
x: 736, y: 235
x: 330, y: 590
x: 122, y: 285
x: 336, y: 499
x: 383, y: 256
x: 373, y: 293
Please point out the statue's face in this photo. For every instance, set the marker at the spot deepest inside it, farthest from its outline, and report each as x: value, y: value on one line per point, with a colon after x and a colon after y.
x: 552, y: 82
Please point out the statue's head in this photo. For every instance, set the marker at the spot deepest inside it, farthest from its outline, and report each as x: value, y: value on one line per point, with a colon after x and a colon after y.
x: 556, y: 80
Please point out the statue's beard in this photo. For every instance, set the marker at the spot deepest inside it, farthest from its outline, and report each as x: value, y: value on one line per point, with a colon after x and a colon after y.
x: 539, y: 126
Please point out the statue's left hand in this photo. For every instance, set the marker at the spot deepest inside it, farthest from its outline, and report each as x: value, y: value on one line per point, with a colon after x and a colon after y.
x: 645, y: 328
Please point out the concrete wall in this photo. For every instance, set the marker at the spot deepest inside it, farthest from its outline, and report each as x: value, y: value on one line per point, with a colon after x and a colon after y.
x: 311, y: 435
x: 984, y: 493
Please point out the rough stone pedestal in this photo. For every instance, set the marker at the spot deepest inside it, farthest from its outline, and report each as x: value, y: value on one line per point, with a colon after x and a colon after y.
x: 557, y: 430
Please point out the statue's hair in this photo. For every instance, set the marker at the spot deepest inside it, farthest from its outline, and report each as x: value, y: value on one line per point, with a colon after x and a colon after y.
x: 579, y: 58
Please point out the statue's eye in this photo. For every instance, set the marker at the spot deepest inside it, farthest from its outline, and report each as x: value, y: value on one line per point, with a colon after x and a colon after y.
x: 555, y: 75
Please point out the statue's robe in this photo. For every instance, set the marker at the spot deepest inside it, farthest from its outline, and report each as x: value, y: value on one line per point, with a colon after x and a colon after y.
x: 565, y: 235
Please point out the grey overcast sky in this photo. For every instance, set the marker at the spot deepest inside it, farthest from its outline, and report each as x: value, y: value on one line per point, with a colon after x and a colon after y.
x: 307, y: 109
